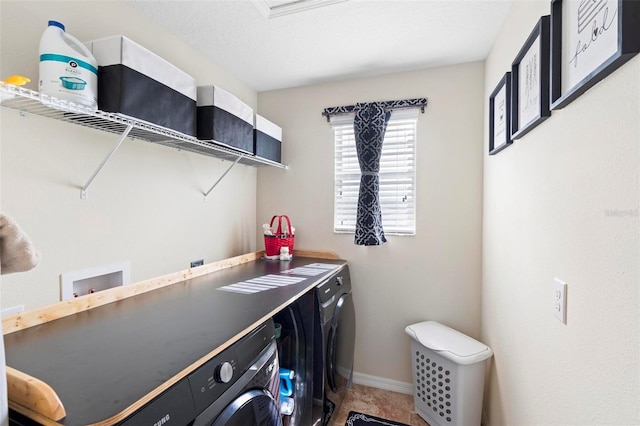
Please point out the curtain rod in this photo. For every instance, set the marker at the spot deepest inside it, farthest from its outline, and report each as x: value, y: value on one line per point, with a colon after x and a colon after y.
x: 388, y: 105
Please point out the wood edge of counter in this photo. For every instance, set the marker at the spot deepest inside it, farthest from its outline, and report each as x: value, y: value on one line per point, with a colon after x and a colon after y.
x: 317, y: 254
x: 34, y: 395
x: 37, y: 316
x: 33, y: 317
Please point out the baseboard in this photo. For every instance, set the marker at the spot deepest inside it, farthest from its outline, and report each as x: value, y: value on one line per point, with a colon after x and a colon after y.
x: 378, y: 382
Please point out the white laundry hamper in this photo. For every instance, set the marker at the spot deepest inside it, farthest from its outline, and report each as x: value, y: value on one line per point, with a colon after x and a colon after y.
x: 448, y: 374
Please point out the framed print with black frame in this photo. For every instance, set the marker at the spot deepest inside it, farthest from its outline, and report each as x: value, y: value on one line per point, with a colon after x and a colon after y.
x: 500, y: 116
x: 589, y: 40
x: 530, y: 81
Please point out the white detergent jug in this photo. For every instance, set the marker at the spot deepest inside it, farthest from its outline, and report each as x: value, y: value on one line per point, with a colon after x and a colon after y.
x: 68, y: 70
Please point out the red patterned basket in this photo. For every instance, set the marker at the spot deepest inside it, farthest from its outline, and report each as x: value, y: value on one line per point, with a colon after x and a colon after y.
x: 281, y: 238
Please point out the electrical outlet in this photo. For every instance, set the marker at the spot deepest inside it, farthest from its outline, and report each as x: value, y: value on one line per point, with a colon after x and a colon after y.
x: 197, y: 263
x: 559, y: 303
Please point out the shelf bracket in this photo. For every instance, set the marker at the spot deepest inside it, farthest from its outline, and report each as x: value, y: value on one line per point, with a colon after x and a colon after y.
x: 84, y: 192
x: 221, y: 177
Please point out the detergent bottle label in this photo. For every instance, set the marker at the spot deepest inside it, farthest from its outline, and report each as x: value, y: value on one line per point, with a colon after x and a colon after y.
x: 66, y: 75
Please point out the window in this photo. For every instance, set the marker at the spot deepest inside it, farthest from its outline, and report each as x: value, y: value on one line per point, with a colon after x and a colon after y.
x: 397, y: 174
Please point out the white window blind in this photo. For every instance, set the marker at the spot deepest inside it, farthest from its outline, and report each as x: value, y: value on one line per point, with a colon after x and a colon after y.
x: 397, y: 174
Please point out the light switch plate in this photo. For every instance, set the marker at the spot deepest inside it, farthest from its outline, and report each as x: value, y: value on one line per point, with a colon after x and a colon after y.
x: 559, y: 302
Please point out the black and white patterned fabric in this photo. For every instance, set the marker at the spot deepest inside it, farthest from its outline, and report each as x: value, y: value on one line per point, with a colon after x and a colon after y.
x: 387, y: 105
x: 358, y: 419
x: 369, y: 125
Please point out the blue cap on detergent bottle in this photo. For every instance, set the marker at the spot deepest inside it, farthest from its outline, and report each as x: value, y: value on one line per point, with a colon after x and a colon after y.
x: 56, y: 24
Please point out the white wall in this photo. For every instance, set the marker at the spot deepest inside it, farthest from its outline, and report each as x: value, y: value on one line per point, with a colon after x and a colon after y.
x: 550, y: 203
x: 434, y: 275
x: 146, y: 205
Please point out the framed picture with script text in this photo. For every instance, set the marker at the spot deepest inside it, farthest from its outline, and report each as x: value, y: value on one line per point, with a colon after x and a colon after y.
x: 530, y: 80
x: 500, y: 116
x: 589, y: 40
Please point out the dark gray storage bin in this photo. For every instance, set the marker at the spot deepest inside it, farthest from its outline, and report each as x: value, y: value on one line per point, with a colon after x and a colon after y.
x: 267, y: 139
x: 136, y: 82
x: 224, y: 119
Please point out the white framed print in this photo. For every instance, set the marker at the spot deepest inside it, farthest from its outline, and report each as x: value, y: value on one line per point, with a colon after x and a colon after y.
x: 530, y: 78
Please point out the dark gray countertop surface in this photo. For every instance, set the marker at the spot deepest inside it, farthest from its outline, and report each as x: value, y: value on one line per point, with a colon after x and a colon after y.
x: 102, y: 361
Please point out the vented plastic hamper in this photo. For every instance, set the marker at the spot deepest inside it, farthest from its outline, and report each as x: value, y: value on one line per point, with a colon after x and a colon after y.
x: 448, y: 374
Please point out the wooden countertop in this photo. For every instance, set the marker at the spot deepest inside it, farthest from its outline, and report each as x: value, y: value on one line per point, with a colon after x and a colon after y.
x: 99, y: 358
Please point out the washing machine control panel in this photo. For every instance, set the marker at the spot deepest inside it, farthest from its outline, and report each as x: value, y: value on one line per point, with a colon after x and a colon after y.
x: 215, y: 376
x: 175, y: 405
x: 224, y: 372
x: 211, y: 380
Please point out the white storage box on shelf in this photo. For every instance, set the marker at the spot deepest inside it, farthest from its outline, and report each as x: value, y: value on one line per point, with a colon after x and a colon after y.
x: 224, y: 118
x: 267, y: 139
x: 138, y: 83
x: 448, y: 374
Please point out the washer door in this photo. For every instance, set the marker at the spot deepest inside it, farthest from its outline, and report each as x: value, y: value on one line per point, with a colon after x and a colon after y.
x: 254, y: 408
x: 344, y: 304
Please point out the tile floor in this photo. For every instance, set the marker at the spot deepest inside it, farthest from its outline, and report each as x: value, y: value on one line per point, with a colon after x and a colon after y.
x: 377, y: 402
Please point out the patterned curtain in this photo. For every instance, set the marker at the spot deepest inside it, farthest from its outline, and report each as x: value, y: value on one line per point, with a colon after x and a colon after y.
x: 369, y: 124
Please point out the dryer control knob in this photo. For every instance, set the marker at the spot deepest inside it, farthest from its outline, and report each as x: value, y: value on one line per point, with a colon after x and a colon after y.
x: 339, y: 280
x: 224, y: 373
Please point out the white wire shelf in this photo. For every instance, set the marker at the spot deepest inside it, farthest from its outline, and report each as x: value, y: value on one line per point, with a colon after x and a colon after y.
x: 29, y: 101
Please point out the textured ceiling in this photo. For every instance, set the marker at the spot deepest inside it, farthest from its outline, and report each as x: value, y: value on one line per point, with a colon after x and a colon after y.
x: 354, y: 38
